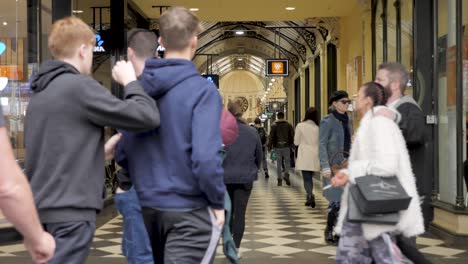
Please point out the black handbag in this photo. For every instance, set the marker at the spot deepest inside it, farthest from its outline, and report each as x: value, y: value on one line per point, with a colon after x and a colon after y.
x: 356, y: 216
x: 377, y: 195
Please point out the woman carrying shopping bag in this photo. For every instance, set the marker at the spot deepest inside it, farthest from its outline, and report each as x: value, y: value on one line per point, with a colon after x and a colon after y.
x: 379, y: 149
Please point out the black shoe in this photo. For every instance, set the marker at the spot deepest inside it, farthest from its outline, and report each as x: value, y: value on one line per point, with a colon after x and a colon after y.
x: 312, y: 201
x: 336, y: 239
x: 308, y: 200
x: 329, y: 237
x: 280, y: 183
x: 266, y: 175
x: 286, y: 179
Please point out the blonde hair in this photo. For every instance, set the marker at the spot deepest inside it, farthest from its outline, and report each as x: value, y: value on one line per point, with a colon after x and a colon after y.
x: 67, y: 34
x: 177, y: 25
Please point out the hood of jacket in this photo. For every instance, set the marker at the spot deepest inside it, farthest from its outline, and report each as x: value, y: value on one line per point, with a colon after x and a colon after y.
x: 407, y: 99
x: 161, y: 75
x: 48, y: 71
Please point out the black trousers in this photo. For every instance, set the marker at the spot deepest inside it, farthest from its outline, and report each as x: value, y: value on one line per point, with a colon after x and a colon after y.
x: 182, y: 237
x: 240, y: 194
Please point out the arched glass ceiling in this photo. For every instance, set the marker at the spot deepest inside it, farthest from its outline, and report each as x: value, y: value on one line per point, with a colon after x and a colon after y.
x: 251, y: 63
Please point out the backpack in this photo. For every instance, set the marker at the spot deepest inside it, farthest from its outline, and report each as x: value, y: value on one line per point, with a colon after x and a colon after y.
x: 262, y: 133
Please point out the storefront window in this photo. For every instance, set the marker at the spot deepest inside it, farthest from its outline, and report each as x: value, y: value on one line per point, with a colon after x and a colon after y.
x: 447, y: 61
x: 15, y: 69
x: 406, y: 7
x: 379, y: 34
x: 391, y: 32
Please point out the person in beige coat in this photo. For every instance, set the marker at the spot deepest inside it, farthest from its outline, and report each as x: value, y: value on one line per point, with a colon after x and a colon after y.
x: 307, y: 138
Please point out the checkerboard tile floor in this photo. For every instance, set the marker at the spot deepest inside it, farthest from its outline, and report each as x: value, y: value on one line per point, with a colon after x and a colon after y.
x: 279, y: 229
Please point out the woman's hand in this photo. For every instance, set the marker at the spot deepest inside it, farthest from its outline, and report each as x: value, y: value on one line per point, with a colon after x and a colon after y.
x: 111, y: 144
x: 340, y: 179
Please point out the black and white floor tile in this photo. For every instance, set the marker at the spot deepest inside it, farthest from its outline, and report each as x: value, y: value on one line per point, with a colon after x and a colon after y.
x: 279, y: 229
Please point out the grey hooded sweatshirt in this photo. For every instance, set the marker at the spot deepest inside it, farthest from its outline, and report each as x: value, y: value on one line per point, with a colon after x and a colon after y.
x: 65, y: 141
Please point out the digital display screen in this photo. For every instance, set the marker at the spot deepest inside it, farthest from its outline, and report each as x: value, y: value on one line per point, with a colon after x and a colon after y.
x: 277, y: 67
x: 214, y: 78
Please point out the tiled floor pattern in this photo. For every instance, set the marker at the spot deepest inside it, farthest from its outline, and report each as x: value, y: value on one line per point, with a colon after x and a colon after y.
x: 279, y: 229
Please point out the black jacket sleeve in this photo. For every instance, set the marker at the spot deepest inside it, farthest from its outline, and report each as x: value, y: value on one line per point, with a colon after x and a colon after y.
x: 272, y: 137
x: 412, y: 124
x: 290, y: 135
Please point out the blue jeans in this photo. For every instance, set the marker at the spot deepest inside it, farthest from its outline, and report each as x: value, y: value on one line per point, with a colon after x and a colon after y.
x: 135, y: 241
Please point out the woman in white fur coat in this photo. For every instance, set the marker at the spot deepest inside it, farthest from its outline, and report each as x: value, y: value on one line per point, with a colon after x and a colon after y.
x: 378, y: 149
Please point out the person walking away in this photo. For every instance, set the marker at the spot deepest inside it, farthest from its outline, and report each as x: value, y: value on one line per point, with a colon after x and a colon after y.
x: 378, y: 149
x: 306, y: 137
x: 64, y: 136
x: 263, y: 138
x: 335, y: 142
x: 281, y: 138
x: 243, y: 158
x: 177, y: 168
x: 17, y: 204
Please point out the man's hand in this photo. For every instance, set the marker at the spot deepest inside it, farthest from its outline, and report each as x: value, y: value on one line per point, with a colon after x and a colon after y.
x: 219, y: 214
x: 123, y: 72
x: 111, y: 144
x: 42, y: 250
x: 340, y: 179
x: 385, y: 112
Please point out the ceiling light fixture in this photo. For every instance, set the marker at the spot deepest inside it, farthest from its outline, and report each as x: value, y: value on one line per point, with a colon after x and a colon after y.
x: 240, y: 59
x: 194, y: 9
x: 77, y: 11
x: 290, y: 8
x: 270, y: 84
x: 239, y: 32
x: 273, y: 79
x: 5, y: 23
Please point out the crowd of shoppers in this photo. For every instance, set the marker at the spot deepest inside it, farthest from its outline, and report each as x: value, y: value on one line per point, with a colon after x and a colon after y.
x: 173, y: 180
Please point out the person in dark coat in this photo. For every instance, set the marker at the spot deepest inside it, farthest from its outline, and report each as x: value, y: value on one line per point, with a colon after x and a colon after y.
x: 243, y: 159
x: 412, y: 125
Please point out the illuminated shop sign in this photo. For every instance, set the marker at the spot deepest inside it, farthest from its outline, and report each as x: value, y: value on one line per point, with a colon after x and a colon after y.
x: 277, y: 67
x: 214, y: 78
x: 99, y: 42
x: 2, y: 48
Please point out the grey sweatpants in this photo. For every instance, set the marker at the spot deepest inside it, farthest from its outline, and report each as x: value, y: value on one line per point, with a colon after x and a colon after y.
x: 73, y: 241
x: 283, y: 153
x: 182, y: 237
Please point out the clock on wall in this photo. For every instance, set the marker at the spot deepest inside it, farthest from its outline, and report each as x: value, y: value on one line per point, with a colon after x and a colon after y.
x: 244, y: 103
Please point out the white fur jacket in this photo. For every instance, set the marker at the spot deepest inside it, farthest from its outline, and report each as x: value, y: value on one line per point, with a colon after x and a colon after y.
x: 379, y: 148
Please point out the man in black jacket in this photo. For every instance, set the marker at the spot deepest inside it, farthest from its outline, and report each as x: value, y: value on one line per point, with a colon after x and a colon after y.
x: 281, y: 138
x: 412, y: 125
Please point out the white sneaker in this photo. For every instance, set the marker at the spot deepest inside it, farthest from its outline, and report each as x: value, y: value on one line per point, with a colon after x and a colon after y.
x: 239, y: 254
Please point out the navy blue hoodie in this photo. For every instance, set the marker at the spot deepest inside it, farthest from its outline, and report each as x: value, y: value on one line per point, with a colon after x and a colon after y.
x: 177, y: 166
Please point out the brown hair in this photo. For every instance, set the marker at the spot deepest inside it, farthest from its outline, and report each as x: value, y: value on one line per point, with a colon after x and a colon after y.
x: 377, y: 93
x: 396, y: 72
x: 235, y: 108
x: 67, y: 34
x: 177, y: 25
x: 143, y: 42
x: 311, y: 114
